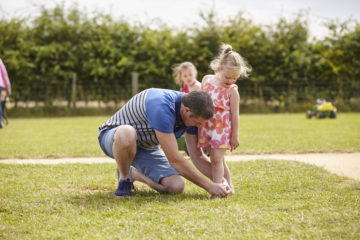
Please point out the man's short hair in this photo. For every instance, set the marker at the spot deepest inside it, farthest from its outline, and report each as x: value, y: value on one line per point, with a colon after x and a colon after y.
x: 200, y: 104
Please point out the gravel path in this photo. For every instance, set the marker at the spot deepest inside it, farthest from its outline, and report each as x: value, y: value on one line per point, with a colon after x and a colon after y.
x: 343, y: 164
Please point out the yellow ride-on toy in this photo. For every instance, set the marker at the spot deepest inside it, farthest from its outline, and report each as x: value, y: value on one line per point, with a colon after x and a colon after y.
x: 322, y: 109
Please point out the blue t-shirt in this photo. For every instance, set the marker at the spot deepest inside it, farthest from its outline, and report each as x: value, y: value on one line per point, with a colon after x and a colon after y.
x: 163, y: 112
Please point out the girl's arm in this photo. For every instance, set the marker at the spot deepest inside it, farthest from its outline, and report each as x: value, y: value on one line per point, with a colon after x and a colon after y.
x: 204, y: 80
x: 234, y: 111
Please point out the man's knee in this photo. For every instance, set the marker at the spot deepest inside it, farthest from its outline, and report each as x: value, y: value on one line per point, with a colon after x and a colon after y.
x: 173, y: 184
x: 125, y: 136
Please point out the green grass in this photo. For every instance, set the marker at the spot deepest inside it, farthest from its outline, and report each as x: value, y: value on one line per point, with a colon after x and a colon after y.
x: 77, y: 136
x: 295, y: 133
x: 51, y: 137
x: 273, y: 200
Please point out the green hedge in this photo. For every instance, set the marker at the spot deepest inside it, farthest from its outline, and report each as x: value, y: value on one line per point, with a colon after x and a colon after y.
x: 43, y: 53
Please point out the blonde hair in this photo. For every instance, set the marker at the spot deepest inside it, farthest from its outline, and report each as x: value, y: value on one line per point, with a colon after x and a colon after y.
x: 230, y: 59
x: 177, y: 72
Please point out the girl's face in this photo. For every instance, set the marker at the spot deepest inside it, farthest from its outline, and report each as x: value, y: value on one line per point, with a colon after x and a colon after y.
x: 188, y: 76
x: 228, y: 76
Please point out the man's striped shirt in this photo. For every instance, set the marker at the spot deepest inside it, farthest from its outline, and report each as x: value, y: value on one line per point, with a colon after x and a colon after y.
x: 148, y: 110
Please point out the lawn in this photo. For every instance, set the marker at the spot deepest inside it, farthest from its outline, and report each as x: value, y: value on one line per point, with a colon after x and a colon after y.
x: 273, y: 200
x: 77, y: 136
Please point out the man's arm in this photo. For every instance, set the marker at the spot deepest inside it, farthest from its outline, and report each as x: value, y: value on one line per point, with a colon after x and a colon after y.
x: 200, y: 160
x: 180, y: 164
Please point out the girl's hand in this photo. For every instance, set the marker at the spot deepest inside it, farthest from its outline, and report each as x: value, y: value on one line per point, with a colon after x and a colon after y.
x: 234, y: 143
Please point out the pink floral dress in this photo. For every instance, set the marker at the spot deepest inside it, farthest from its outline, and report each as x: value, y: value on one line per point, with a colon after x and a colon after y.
x: 216, y: 132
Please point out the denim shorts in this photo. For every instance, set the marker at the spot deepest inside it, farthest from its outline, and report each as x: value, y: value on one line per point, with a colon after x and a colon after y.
x: 152, y: 163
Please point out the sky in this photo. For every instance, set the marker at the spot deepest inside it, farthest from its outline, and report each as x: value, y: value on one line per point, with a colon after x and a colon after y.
x: 180, y: 13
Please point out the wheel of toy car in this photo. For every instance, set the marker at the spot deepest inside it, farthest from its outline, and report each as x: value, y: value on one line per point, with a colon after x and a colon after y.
x: 308, y: 114
x: 333, y: 115
x: 319, y: 114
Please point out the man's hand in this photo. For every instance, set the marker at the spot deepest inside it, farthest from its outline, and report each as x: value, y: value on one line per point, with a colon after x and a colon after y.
x: 219, y: 190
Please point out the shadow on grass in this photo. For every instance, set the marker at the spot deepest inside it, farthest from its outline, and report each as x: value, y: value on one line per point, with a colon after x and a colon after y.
x: 105, y: 198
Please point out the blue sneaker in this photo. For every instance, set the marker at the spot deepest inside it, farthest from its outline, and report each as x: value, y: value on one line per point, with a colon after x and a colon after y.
x: 124, y: 188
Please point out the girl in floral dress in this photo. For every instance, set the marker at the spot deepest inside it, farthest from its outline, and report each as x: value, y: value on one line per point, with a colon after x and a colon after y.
x: 220, y: 133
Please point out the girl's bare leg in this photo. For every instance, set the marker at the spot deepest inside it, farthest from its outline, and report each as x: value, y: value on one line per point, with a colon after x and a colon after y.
x: 217, y: 164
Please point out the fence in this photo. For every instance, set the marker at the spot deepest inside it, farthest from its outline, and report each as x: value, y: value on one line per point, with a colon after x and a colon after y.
x: 294, y: 96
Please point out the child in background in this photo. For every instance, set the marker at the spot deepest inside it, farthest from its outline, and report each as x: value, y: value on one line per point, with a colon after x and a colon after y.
x: 221, y: 131
x: 185, y: 75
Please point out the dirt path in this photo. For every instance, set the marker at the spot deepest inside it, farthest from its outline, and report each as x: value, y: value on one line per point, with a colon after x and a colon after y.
x: 343, y: 164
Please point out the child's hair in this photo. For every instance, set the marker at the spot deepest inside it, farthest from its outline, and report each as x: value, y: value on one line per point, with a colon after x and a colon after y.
x: 177, y: 71
x: 229, y: 58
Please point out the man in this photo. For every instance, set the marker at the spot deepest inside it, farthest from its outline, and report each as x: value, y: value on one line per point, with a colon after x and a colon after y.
x: 154, y: 118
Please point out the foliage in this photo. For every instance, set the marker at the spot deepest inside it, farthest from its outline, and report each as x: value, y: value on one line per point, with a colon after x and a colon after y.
x: 44, y: 54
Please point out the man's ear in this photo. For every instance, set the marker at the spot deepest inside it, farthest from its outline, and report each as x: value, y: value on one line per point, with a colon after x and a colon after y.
x: 187, y: 109
x: 184, y: 110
